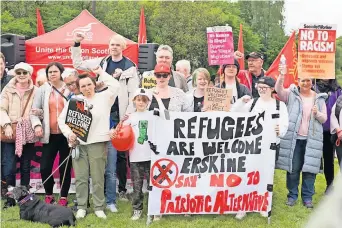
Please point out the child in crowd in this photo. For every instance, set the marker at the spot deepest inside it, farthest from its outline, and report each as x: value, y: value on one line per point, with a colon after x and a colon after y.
x: 140, y: 155
x: 267, y: 103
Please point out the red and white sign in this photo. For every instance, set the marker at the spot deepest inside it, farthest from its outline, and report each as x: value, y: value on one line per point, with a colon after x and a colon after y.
x: 220, y: 45
x: 212, y: 163
x: 316, y: 51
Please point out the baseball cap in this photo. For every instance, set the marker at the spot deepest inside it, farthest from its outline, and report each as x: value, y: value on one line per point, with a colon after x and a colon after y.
x: 255, y: 55
x: 267, y: 81
x: 23, y: 66
x: 142, y: 92
x: 162, y: 68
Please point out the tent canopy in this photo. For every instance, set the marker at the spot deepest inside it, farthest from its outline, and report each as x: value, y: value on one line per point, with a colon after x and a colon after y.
x: 55, y: 45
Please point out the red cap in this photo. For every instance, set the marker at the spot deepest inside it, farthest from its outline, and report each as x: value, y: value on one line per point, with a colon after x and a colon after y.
x: 162, y: 68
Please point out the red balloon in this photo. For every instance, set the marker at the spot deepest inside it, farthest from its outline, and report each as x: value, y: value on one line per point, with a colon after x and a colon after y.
x: 124, y: 140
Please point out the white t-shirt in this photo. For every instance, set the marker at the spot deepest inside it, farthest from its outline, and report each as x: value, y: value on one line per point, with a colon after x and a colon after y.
x: 235, y: 95
x: 269, y: 107
x: 142, y: 125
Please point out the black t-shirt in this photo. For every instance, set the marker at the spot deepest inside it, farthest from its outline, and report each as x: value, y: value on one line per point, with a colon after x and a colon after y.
x: 198, y: 104
x: 111, y: 67
x: 255, y: 79
x: 154, y: 103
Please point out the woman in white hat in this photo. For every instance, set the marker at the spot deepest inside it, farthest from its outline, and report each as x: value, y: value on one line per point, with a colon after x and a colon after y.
x: 17, y: 137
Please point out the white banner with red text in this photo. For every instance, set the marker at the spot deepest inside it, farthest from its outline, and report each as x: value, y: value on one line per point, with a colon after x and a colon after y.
x: 213, y: 163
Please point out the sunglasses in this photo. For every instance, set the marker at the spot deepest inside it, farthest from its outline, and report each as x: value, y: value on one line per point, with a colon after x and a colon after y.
x: 21, y: 72
x: 162, y: 75
x: 262, y: 88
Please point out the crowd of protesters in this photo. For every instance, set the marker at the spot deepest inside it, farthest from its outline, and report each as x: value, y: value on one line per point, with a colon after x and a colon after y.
x: 31, y: 113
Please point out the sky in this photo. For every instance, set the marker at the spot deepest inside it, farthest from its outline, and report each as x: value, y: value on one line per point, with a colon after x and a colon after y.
x: 313, y: 11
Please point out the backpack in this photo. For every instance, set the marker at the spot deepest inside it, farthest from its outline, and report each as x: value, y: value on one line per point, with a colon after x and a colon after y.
x: 273, y: 146
x: 338, y: 109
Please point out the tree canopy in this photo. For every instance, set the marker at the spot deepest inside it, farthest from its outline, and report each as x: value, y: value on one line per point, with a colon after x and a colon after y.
x: 182, y: 25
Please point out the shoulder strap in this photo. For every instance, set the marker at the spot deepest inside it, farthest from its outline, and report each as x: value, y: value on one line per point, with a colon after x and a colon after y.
x: 338, y: 107
x: 277, y: 105
x: 28, y: 99
x: 60, y: 93
x: 253, y: 104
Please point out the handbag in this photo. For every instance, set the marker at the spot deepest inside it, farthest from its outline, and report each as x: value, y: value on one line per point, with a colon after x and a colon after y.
x: 3, y: 137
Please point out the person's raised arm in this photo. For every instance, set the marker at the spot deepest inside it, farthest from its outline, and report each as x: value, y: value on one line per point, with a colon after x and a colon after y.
x: 282, y: 93
x: 76, y: 56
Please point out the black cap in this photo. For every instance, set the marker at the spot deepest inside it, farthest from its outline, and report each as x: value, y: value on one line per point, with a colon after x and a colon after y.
x: 267, y: 81
x: 255, y: 55
x: 236, y: 63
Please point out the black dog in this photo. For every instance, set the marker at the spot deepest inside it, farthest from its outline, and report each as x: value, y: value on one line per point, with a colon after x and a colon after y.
x: 33, y: 209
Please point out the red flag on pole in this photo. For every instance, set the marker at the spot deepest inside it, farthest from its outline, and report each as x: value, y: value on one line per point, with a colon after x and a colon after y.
x: 241, y: 49
x: 142, y: 38
x: 40, y: 26
x: 290, y: 53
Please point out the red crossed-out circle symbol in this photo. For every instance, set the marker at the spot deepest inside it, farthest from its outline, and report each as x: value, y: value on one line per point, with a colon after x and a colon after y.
x: 164, y: 171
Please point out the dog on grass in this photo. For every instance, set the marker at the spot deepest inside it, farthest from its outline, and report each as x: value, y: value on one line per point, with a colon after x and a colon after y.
x: 33, y: 209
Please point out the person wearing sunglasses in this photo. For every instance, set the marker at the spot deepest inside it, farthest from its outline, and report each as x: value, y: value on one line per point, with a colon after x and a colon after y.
x: 172, y: 99
x: 265, y: 103
x: 51, y: 99
x: 16, y: 102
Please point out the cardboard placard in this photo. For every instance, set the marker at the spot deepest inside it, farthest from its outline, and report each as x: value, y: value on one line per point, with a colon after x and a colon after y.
x: 78, y: 119
x: 217, y: 99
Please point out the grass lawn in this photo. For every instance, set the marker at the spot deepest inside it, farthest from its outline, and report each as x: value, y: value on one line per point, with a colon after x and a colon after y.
x: 282, y: 215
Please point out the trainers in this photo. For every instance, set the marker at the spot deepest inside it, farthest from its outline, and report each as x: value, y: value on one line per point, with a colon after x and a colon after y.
x: 240, y: 215
x: 112, y: 208
x: 81, y: 213
x: 50, y: 200
x: 290, y: 202
x: 308, y: 204
x: 264, y: 214
x: 100, y: 214
x: 136, y: 215
x: 157, y: 217
x: 123, y: 196
x: 63, y: 202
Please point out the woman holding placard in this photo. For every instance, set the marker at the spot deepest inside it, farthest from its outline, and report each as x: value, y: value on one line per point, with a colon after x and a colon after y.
x: 301, y: 147
x: 92, y: 153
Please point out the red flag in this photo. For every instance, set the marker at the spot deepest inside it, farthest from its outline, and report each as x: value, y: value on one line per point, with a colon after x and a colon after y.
x: 290, y: 53
x: 142, y: 39
x: 241, y: 49
x: 40, y: 26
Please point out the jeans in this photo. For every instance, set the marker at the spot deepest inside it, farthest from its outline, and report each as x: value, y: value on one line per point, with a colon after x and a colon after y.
x: 110, y: 174
x: 9, y: 163
x: 121, y: 168
x: 292, y: 179
x: 328, y: 158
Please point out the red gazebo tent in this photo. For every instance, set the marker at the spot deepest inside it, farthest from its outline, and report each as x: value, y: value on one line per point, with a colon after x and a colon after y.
x: 55, y: 45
